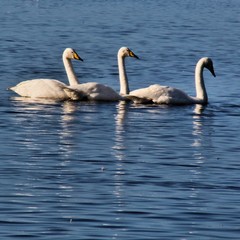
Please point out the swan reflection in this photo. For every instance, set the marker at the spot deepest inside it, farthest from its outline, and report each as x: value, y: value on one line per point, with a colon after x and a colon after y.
x: 32, y: 103
x: 69, y: 108
x: 119, y: 152
x: 201, y: 133
x: 199, y: 157
x: 119, y: 131
x: 197, y: 125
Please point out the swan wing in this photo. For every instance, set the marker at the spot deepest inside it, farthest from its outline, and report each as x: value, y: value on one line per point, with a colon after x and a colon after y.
x: 138, y: 100
x: 41, y: 88
x: 97, y: 92
x: 74, y: 94
x: 163, y: 95
x: 152, y: 92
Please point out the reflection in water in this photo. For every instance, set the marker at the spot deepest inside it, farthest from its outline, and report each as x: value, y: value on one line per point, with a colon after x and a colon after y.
x: 33, y: 115
x: 199, y: 109
x: 119, y: 120
x: 198, y: 133
x: 69, y: 107
x: 34, y: 103
x: 38, y: 142
x: 67, y: 132
x: 119, y: 153
x: 197, y: 125
x: 196, y: 170
x: 201, y: 132
x: 47, y: 122
x: 202, y: 146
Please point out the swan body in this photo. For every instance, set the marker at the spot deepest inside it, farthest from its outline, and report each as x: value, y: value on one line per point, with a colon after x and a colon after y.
x: 93, y: 91
x: 161, y: 95
x: 167, y: 95
x: 98, y: 92
x: 50, y: 88
x: 41, y: 88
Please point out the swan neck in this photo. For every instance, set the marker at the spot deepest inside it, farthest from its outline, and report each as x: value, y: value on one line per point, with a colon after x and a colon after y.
x: 201, y: 92
x: 124, y: 88
x: 72, y: 78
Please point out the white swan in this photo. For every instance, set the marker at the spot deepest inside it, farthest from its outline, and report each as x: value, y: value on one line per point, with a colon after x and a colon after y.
x: 50, y: 88
x: 100, y: 92
x: 168, y: 95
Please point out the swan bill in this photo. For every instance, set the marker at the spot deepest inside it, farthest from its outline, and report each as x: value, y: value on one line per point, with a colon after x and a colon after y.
x: 76, y: 56
x: 132, y: 54
x: 211, y: 69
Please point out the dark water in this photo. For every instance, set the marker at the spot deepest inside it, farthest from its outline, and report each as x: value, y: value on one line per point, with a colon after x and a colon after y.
x: 80, y: 170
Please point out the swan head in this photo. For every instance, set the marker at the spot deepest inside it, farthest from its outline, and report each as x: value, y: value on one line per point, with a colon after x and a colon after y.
x: 208, y: 63
x: 126, y: 52
x: 70, y: 53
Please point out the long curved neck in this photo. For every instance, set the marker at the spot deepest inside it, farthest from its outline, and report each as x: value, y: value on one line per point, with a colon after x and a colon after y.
x: 201, y: 92
x: 72, y: 78
x: 124, y: 88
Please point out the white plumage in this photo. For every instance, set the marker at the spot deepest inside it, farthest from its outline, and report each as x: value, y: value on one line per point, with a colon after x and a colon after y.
x: 50, y: 88
x: 100, y: 92
x: 168, y: 95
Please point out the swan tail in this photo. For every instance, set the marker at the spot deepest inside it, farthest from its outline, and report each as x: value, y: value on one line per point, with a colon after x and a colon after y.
x: 138, y: 100
x: 73, y: 94
x: 11, y: 88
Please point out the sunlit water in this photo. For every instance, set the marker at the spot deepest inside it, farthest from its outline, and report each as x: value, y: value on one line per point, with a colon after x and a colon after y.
x: 82, y: 170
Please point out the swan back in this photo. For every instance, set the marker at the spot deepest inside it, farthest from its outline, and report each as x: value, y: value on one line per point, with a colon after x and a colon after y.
x: 41, y: 88
x: 95, y: 91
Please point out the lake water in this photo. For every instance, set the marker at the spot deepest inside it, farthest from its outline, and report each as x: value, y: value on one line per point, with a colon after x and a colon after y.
x: 84, y: 170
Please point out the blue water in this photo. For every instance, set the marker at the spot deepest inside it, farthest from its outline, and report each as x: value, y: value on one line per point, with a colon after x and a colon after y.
x: 85, y: 170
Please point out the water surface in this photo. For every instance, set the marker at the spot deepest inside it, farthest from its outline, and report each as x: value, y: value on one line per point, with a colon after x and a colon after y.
x: 85, y: 170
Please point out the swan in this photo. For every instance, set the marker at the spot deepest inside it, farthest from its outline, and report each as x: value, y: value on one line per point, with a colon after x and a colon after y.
x: 51, y: 88
x: 100, y: 92
x: 168, y: 95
